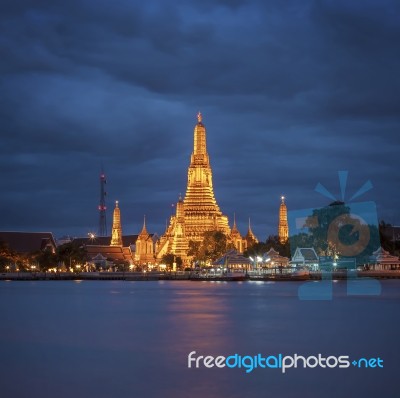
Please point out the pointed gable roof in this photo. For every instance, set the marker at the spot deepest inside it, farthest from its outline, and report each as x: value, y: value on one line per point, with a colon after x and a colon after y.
x: 381, y: 256
x: 143, y: 232
x: 250, y: 235
x: 28, y: 242
x: 235, y: 231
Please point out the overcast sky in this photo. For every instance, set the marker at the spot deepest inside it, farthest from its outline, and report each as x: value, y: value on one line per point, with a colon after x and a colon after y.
x: 291, y: 92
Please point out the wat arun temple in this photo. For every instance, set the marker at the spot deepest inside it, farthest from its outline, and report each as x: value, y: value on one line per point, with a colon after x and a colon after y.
x: 197, y: 213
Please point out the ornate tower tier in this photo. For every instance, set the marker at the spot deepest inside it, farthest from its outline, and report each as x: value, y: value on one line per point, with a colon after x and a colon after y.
x: 198, y: 212
x: 201, y: 210
x: 116, y: 234
x: 283, y: 228
x: 145, y: 251
x: 251, y: 239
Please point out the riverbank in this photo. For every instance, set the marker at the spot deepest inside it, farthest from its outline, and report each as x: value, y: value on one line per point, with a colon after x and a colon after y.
x: 151, y: 276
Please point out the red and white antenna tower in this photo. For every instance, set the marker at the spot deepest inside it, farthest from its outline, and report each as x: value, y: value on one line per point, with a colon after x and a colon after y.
x: 102, y: 205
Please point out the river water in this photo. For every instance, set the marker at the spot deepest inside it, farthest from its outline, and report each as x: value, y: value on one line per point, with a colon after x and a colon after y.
x: 120, y: 339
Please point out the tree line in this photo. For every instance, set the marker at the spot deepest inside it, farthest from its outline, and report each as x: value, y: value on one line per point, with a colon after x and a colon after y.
x: 69, y: 254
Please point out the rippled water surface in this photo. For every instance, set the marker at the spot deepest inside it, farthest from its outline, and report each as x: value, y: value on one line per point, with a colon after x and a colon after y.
x: 131, y: 339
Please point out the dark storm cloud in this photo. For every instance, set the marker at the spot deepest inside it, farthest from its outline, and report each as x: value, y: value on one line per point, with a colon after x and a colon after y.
x: 291, y: 93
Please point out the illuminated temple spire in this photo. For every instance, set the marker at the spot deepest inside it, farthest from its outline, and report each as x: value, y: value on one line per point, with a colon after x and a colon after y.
x: 283, y: 228
x: 234, y: 227
x: 144, y: 232
x: 145, y: 246
x: 202, y: 212
x: 116, y: 235
x: 250, y: 237
x: 198, y: 212
x: 235, y: 237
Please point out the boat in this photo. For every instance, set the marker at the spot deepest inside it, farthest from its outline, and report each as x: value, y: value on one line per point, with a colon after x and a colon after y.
x: 227, y: 277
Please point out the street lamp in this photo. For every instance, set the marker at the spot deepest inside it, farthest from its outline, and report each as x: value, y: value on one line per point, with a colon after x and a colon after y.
x: 254, y: 260
x: 266, y: 260
x: 259, y: 260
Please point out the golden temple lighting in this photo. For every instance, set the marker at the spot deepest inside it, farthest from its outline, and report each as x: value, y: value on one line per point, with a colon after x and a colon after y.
x: 198, y: 212
x: 283, y: 228
x: 116, y: 234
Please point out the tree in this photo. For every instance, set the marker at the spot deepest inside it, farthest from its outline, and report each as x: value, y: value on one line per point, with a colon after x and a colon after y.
x: 388, y: 242
x: 170, y: 258
x: 71, y: 253
x: 258, y: 249
x: 273, y: 242
x: 46, y: 259
x: 214, y: 245
x: 122, y: 265
x: 337, y: 229
x: 194, y: 249
x: 7, y: 256
x: 300, y: 240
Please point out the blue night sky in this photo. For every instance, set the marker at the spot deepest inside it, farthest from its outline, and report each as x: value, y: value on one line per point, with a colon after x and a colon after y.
x: 291, y: 92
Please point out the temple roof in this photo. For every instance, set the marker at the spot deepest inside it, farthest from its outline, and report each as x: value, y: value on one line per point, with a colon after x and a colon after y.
x: 28, y: 242
x: 306, y: 253
x: 127, y: 240
x: 235, y: 230
x: 381, y: 256
x: 250, y: 234
x: 116, y: 253
x: 144, y: 230
x: 232, y: 257
x: 272, y: 252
